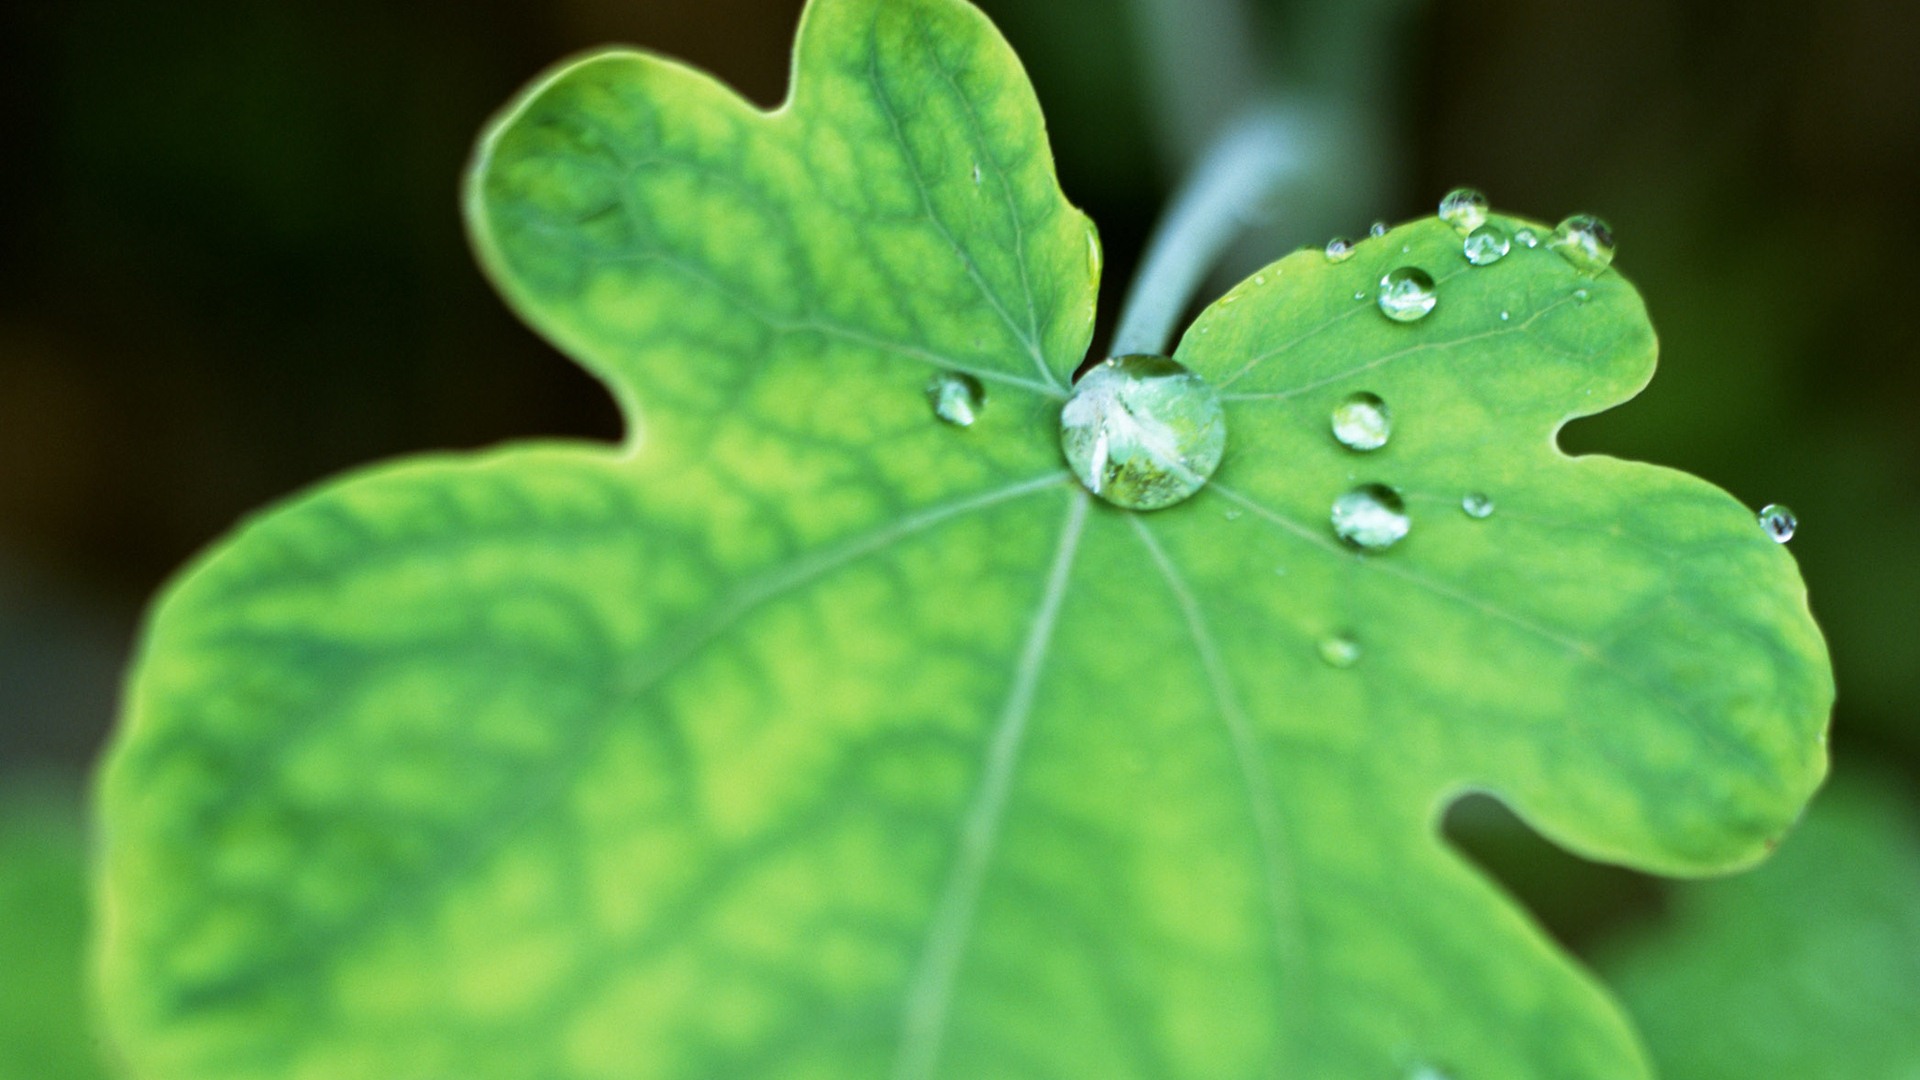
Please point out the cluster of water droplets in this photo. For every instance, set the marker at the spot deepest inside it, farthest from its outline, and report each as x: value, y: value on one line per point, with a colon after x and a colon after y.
x: 1144, y: 432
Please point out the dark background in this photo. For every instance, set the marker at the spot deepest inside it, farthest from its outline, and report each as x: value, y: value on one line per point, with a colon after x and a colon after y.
x: 231, y: 262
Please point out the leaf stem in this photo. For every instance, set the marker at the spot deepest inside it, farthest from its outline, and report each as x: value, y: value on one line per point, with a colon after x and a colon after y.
x: 1231, y: 187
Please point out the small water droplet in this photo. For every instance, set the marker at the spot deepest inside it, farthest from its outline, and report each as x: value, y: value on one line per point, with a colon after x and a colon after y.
x: 1779, y: 522
x: 1232, y: 513
x: 1582, y: 295
x: 1464, y: 208
x: 1377, y: 229
x: 1143, y: 432
x: 1259, y: 279
x: 1486, y: 245
x: 1585, y: 241
x: 1362, y: 422
x: 1339, y: 249
x: 1340, y: 650
x: 1359, y: 294
x: 1407, y: 294
x: 956, y: 397
x: 1505, y: 315
x: 976, y: 174
x: 1477, y: 505
x: 1372, y: 517
x: 1527, y: 238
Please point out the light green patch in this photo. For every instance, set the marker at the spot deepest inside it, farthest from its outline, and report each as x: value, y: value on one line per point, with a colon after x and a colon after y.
x: 1808, y: 967
x: 45, y: 1028
x: 808, y: 735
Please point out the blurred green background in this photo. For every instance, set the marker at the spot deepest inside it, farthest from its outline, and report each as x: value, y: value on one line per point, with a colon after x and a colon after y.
x: 231, y: 264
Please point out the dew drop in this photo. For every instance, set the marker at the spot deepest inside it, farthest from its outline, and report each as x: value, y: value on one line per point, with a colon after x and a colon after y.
x: 1377, y: 229
x: 1582, y: 295
x: 1527, y: 238
x: 1779, y: 522
x: 1585, y: 241
x: 1407, y: 294
x: 1477, y: 505
x: 977, y: 175
x: 1359, y: 294
x: 1464, y: 208
x: 1371, y: 517
x: 1486, y: 245
x: 956, y: 397
x: 1340, y: 650
x: 1505, y: 315
x: 1339, y: 249
x: 1232, y: 513
x: 1143, y: 432
x: 1362, y: 422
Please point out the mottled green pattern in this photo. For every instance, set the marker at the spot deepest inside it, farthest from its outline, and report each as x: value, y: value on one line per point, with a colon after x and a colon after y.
x: 1807, y: 968
x: 807, y: 736
x: 45, y: 1033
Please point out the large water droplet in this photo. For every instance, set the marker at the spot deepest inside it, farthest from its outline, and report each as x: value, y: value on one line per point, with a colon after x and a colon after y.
x: 1377, y: 230
x: 1340, y: 650
x: 1779, y: 522
x: 1477, y: 505
x: 1371, y: 516
x: 1362, y: 422
x: 1486, y: 245
x: 1407, y: 294
x: 956, y: 397
x: 1143, y: 432
x: 1339, y: 249
x: 1585, y: 241
x: 1464, y: 208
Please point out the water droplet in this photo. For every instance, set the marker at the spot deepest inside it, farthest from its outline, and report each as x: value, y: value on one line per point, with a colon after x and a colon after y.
x: 1527, y: 238
x: 1779, y: 522
x: 976, y: 175
x: 1407, y: 294
x: 1582, y: 295
x: 1464, y: 208
x: 1259, y: 279
x: 1362, y: 422
x: 1371, y: 516
x: 1486, y: 245
x: 1143, y: 432
x: 956, y: 397
x: 1359, y: 294
x: 1339, y: 249
x: 1477, y: 505
x: 1233, y: 513
x: 1586, y: 242
x: 1505, y: 315
x: 1340, y: 650
x: 1377, y: 229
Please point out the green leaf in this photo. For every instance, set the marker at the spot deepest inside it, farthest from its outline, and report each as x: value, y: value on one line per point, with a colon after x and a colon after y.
x: 808, y: 736
x: 1808, y: 967
x: 44, y: 1033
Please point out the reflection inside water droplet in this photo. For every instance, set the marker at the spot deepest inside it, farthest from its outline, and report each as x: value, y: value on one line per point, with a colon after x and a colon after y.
x: 1486, y: 245
x: 1477, y: 505
x: 1779, y: 522
x: 1143, y: 432
x: 956, y: 397
x: 1377, y: 229
x: 1585, y: 241
x: 1362, y: 422
x: 1407, y: 293
x: 1339, y: 249
x: 1372, y: 517
x: 1527, y: 238
x: 1340, y: 650
x: 1464, y: 208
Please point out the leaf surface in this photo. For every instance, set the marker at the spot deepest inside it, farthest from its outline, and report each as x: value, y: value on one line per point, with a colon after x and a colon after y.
x: 808, y: 736
x: 1808, y: 967
x: 44, y: 1028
